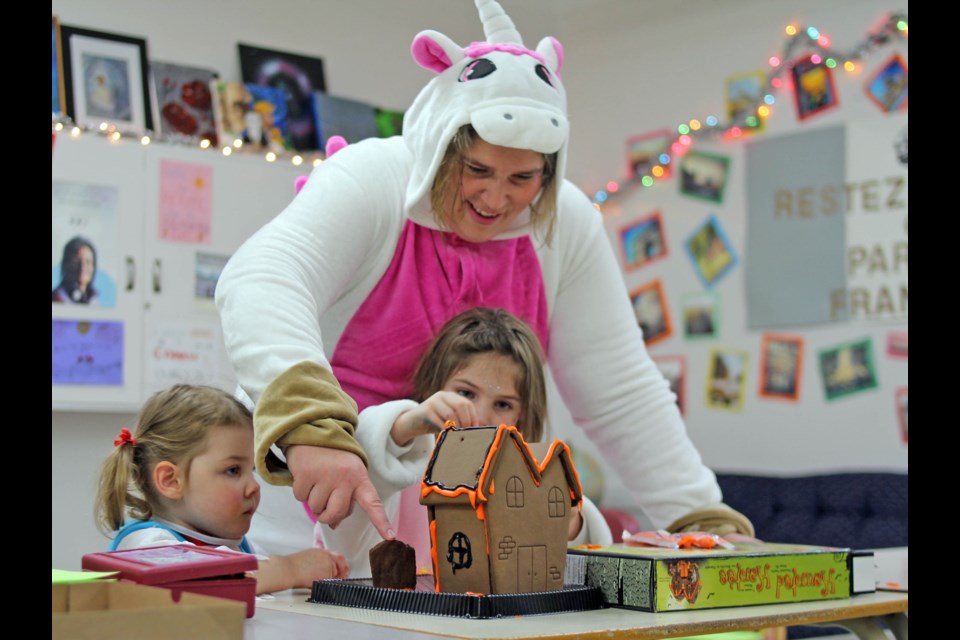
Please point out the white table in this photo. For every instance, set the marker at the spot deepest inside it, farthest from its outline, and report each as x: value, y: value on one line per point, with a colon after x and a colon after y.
x: 289, y: 615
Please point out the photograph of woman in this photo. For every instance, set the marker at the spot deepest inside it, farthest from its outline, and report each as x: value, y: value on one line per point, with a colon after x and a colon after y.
x: 77, y: 268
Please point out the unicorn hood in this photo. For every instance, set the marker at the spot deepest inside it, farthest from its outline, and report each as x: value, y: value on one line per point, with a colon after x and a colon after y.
x: 513, y: 97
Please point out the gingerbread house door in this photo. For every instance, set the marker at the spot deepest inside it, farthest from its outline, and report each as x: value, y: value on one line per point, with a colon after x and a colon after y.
x: 532, y: 569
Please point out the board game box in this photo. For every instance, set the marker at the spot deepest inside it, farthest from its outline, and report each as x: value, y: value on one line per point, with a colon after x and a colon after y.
x: 662, y: 579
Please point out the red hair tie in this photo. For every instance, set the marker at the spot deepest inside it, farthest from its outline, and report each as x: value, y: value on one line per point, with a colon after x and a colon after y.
x: 124, y: 437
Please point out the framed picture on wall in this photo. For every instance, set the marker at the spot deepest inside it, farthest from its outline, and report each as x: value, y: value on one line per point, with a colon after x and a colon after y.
x: 643, y: 241
x: 353, y: 120
x: 59, y: 92
x: 644, y: 152
x: 106, y: 80
x: 781, y: 360
x: 231, y: 102
x: 726, y: 379
x: 897, y: 344
x: 704, y: 175
x: 813, y: 88
x: 298, y: 75
x: 902, y: 412
x: 183, y: 101
x: 653, y: 314
x: 848, y: 369
x: 710, y: 251
x: 701, y: 315
x: 887, y: 88
x: 745, y: 93
x: 207, y: 269
x: 674, y: 369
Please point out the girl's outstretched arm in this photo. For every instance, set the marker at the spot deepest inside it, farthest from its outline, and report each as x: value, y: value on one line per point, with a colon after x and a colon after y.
x: 299, y: 570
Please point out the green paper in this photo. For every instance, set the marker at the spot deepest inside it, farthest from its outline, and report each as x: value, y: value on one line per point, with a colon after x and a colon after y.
x: 66, y: 577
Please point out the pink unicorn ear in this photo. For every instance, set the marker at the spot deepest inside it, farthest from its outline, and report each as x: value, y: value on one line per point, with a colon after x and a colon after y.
x: 434, y: 51
x: 334, y: 144
x: 298, y: 183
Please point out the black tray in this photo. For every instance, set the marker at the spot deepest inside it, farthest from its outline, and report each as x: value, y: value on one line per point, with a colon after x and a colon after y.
x: 360, y: 593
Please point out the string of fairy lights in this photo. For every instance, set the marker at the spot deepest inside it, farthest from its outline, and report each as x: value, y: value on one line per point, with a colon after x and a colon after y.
x: 808, y: 39
x: 62, y: 122
x: 799, y: 39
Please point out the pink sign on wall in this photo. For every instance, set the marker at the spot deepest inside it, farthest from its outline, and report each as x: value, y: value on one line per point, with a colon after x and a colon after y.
x: 185, y: 202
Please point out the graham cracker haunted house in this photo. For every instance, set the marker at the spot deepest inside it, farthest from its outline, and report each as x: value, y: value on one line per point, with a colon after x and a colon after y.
x: 498, y: 518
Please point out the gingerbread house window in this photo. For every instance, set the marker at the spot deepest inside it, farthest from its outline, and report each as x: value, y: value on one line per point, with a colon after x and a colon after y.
x: 515, y: 492
x: 556, y: 503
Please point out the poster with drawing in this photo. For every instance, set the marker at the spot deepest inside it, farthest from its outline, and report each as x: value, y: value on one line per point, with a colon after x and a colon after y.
x: 643, y: 241
x: 185, y: 352
x: 701, y: 315
x: 85, y: 352
x: 848, y: 368
x: 653, y: 314
x: 674, y: 369
x: 781, y: 359
x: 207, y: 269
x: 901, y: 394
x: 726, y: 379
x: 85, y: 243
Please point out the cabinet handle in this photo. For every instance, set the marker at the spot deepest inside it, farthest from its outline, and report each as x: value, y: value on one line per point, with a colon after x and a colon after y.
x: 157, y: 273
x: 131, y: 273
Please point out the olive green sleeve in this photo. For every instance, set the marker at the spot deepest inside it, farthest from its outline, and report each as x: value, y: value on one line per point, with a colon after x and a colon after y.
x: 721, y: 520
x: 303, y: 405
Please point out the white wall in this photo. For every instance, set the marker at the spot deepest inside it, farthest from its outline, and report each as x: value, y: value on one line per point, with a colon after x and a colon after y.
x: 678, y: 73
x: 632, y: 66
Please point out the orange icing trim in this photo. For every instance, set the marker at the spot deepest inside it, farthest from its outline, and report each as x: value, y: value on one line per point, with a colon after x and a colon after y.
x: 559, y: 444
x: 490, y: 455
x: 433, y: 555
x: 476, y: 495
x: 426, y: 489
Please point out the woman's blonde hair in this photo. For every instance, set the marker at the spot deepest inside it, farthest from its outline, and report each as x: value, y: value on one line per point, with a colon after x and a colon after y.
x: 173, y: 425
x: 443, y: 199
x: 488, y: 330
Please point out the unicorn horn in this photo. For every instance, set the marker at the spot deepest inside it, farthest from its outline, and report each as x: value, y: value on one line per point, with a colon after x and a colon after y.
x: 497, y: 25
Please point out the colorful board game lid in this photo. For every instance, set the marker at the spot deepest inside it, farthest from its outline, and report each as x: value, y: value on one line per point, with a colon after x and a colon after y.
x: 183, y: 567
x: 170, y: 563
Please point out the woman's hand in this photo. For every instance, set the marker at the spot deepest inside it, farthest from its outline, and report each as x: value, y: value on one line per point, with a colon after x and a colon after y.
x: 330, y: 481
x: 430, y: 415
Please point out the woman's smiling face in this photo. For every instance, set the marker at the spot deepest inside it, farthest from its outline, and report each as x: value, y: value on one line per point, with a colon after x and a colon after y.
x: 497, y: 185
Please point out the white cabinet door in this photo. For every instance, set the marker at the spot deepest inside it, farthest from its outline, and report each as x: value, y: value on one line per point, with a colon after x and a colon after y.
x: 98, y: 189
x: 200, y: 207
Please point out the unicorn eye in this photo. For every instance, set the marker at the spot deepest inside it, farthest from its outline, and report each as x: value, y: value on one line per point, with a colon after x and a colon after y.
x: 544, y: 74
x: 479, y: 68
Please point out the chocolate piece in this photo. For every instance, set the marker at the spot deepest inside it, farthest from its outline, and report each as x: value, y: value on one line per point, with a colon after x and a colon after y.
x: 394, y: 565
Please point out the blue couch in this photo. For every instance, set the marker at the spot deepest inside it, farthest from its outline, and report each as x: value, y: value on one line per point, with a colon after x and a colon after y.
x: 857, y: 510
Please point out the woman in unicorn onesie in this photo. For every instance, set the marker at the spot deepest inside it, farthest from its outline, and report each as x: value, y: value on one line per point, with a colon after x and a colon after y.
x: 327, y: 309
